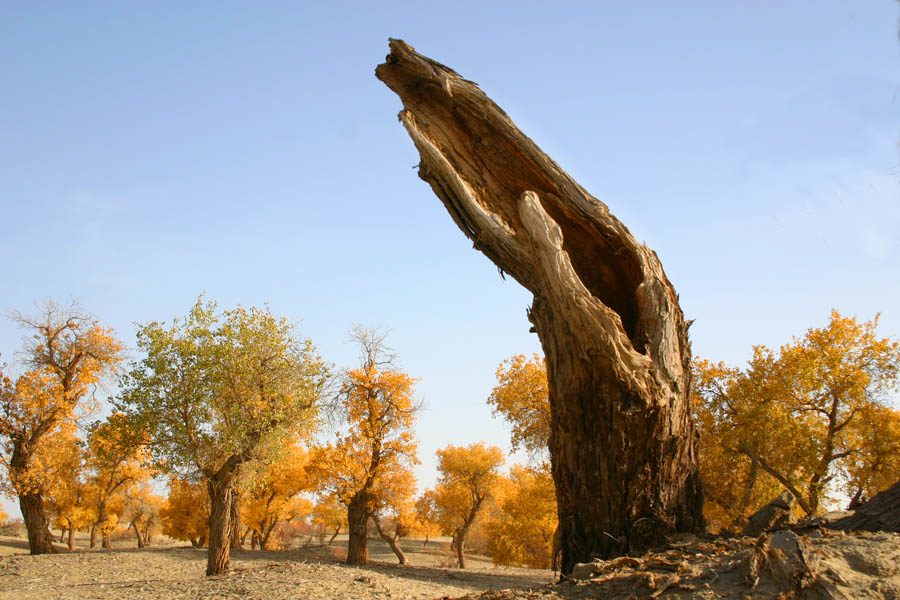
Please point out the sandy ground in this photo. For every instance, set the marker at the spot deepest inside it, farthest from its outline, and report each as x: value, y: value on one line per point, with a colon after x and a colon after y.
x: 314, y: 573
x: 819, y: 564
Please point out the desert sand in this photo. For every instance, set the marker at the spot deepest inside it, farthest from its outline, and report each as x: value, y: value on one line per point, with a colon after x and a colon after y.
x: 313, y: 572
x: 815, y: 564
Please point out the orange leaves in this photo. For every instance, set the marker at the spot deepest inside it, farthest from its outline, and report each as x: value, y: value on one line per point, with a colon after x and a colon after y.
x: 522, y: 397
x: 468, y: 476
x: 520, y: 531
x: 374, y: 458
x: 68, y: 353
x: 185, y: 514
x: 799, y: 418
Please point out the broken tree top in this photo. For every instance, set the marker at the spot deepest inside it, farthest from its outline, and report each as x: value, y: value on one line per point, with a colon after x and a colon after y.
x: 515, y: 203
x: 622, y: 442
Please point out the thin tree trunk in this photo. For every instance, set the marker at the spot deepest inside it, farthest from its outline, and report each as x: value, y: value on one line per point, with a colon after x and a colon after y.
x: 623, y: 446
x: 334, y: 535
x: 93, y: 535
x: 71, y: 532
x: 254, y: 540
x: 36, y: 524
x: 358, y: 520
x: 105, y: 541
x: 459, y: 539
x: 268, y: 533
x: 219, y: 559
x: 391, y: 541
x: 62, y: 535
x: 137, y: 534
x: 236, y: 541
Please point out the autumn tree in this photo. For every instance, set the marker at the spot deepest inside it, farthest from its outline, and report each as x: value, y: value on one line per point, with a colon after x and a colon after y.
x: 804, y: 415
x: 141, y: 513
x: 272, y: 494
x: 185, y: 512
x: 426, y: 517
x: 116, y: 460
x: 622, y: 442
x: 522, y: 397
x: 468, y: 477
x: 520, y: 531
x: 875, y: 465
x: 67, y: 354
x: 369, y: 465
x: 330, y: 516
x: 216, y: 391
x: 61, y: 462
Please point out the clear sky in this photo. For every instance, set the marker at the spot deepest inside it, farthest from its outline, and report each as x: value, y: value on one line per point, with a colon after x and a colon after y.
x: 150, y: 152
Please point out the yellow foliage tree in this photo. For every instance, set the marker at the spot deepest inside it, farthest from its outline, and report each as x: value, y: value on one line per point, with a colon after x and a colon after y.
x: 116, y: 459
x: 369, y: 468
x: 469, y: 476
x: 520, y: 531
x: 60, y: 461
x: 141, y: 513
x: 522, y: 397
x: 426, y: 518
x: 185, y: 513
x: 67, y: 354
x: 271, y: 497
x: 329, y: 516
x: 799, y: 415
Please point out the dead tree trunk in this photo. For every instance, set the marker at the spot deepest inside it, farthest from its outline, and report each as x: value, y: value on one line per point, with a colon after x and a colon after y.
x: 881, y: 513
x: 622, y: 443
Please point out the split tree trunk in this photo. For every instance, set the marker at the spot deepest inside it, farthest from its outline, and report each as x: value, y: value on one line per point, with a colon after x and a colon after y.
x: 36, y: 524
x: 392, y: 541
x: 137, y: 533
x: 358, y: 519
x: 622, y: 443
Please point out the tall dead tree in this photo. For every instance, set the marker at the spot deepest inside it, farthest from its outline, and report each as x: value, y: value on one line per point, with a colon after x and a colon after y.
x: 622, y: 443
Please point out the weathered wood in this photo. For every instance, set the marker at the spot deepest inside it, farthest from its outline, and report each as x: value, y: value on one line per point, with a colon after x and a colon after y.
x: 622, y: 443
x: 881, y: 513
x: 358, y: 513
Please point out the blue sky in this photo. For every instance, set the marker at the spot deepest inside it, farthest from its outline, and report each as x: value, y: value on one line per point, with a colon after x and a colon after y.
x: 154, y: 151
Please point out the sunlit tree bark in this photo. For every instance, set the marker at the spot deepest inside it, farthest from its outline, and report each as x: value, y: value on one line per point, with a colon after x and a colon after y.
x: 622, y: 442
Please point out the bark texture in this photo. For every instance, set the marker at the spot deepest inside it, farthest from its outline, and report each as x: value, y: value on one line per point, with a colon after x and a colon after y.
x: 881, y: 513
x: 623, y: 446
x: 358, y: 514
x: 219, y: 556
x: 36, y: 524
x: 236, y: 540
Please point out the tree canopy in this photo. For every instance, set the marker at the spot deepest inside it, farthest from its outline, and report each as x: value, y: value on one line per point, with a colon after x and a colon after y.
x: 216, y: 391
x: 810, y: 415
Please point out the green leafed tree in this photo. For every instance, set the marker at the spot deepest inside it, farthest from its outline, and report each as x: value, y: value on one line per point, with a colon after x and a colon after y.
x: 216, y: 390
